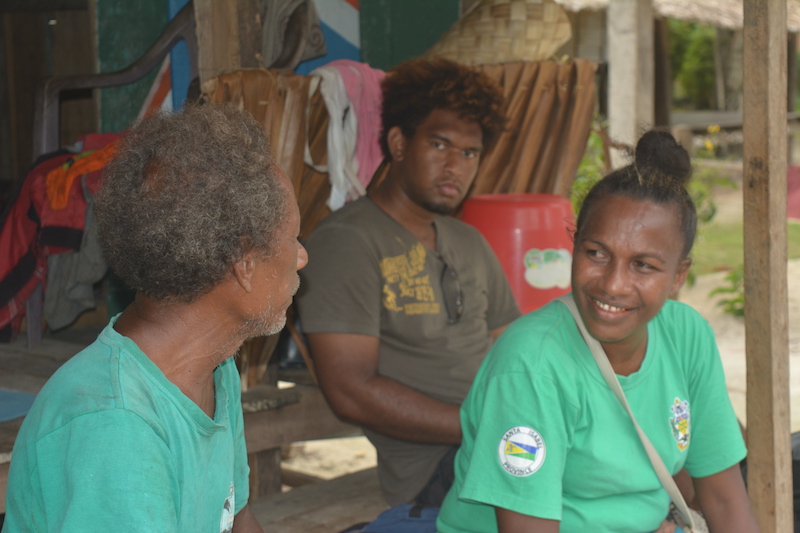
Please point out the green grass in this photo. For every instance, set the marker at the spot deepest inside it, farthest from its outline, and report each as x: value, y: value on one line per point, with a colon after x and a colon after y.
x: 720, y: 246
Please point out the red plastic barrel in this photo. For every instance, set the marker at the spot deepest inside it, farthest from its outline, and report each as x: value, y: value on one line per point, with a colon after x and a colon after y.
x: 530, y: 233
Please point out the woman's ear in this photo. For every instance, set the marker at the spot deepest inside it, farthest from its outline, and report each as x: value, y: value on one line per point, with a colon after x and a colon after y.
x: 396, y: 142
x: 683, y: 273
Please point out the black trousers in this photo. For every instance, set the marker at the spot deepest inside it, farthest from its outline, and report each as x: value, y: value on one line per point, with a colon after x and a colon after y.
x: 432, y: 495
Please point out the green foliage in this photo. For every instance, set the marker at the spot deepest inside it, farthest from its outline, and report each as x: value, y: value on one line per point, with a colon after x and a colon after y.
x: 591, y: 169
x: 734, y: 286
x: 720, y: 246
x: 701, y: 189
x: 679, y: 38
x: 692, y: 61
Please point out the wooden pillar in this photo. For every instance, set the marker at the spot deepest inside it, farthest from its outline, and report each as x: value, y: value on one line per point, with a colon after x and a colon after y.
x: 791, y: 88
x: 631, y: 76
x: 662, y: 84
x: 766, y: 308
x: 7, y: 166
x: 228, y: 36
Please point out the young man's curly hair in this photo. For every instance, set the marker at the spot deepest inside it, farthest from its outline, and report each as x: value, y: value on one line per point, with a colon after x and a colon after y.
x: 185, y: 197
x: 415, y: 88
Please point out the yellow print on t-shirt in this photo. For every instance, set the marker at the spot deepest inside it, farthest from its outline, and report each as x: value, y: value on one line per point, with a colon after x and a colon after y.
x: 406, y: 288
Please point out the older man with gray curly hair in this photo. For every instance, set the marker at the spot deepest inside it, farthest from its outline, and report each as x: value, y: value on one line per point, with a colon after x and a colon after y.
x: 143, y: 430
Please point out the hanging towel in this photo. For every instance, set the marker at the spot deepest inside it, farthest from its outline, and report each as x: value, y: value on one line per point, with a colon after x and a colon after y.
x: 363, y: 85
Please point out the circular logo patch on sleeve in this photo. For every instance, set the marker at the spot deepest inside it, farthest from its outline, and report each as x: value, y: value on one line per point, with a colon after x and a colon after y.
x: 521, y: 451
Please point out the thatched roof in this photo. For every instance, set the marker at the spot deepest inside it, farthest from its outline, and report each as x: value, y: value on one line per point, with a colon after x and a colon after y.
x: 719, y: 13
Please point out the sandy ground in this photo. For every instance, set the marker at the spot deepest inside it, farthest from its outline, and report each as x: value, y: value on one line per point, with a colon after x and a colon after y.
x: 331, y: 458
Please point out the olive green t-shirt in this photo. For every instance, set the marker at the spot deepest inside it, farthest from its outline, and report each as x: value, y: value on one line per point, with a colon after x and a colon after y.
x: 368, y: 275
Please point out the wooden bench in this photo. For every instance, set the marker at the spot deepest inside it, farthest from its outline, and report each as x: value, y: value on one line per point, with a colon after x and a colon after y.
x: 325, y: 507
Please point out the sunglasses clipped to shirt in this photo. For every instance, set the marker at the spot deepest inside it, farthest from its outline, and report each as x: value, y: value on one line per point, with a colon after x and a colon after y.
x: 453, y: 296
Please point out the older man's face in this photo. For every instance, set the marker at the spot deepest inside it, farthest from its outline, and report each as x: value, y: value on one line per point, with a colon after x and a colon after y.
x: 275, y: 281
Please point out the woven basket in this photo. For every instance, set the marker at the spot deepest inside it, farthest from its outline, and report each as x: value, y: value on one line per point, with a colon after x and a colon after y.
x: 502, y: 31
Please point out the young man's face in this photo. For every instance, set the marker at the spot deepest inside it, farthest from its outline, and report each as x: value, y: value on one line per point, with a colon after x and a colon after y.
x: 438, y: 164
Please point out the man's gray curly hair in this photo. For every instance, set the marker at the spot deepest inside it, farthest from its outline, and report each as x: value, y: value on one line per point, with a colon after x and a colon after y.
x: 185, y: 197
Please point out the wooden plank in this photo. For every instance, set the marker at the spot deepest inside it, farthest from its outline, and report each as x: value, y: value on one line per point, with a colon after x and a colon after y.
x: 766, y: 306
x: 308, y: 419
x: 3, y: 484
x: 228, y: 36
x: 217, y: 38
x: 267, y: 397
x: 8, y: 432
x: 265, y: 472
x: 323, y: 507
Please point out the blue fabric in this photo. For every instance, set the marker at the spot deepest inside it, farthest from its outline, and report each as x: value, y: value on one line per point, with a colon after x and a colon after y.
x: 14, y: 404
x: 405, y: 518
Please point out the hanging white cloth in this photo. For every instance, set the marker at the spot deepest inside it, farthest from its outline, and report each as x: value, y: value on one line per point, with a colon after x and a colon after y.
x: 342, y: 165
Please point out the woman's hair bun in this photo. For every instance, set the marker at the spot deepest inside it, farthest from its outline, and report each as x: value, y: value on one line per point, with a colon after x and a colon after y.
x: 659, y: 156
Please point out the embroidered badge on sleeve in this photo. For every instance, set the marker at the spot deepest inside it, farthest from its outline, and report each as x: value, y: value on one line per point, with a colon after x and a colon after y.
x: 521, y: 451
x: 681, y: 423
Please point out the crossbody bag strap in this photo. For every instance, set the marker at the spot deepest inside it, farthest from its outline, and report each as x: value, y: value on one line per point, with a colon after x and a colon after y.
x: 611, y: 378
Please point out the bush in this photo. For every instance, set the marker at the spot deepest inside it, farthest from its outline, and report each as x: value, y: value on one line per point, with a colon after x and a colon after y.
x: 692, y: 61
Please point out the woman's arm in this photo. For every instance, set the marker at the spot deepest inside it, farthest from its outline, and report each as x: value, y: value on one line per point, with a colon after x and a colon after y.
x: 512, y: 522
x: 724, y: 502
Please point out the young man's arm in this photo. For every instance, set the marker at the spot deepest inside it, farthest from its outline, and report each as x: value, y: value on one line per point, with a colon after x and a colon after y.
x: 347, y: 369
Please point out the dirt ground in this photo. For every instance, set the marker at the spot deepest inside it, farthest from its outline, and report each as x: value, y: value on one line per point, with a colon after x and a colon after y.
x: 332, y: 458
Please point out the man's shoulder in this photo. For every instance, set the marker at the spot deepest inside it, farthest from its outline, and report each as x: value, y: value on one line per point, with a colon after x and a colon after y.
x: 452, y: 229
x: 352, y: 215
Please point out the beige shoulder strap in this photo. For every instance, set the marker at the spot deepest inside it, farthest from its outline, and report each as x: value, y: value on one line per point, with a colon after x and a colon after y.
x: 611, y: 378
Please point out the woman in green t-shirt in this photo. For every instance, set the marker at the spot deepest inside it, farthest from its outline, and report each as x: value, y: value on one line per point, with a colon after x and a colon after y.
x: 546, y: 445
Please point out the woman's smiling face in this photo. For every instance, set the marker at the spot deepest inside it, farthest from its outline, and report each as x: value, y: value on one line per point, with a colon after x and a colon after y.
x: 628, y: 259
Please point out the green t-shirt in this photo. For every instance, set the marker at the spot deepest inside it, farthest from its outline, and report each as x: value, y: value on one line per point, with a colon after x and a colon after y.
x: 545, y: 436
x: 111, y: 445
x: 369, y: 276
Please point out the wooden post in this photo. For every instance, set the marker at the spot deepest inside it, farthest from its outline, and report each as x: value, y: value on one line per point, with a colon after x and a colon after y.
x: 662, y: 73
x: 630, y: 72
x: 228, y: 36
x: 791, y: 88
x: 766, y: 307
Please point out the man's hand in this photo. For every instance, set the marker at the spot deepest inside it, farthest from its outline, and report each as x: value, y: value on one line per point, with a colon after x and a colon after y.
x: 347, y: 369
x: 667, y: 526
